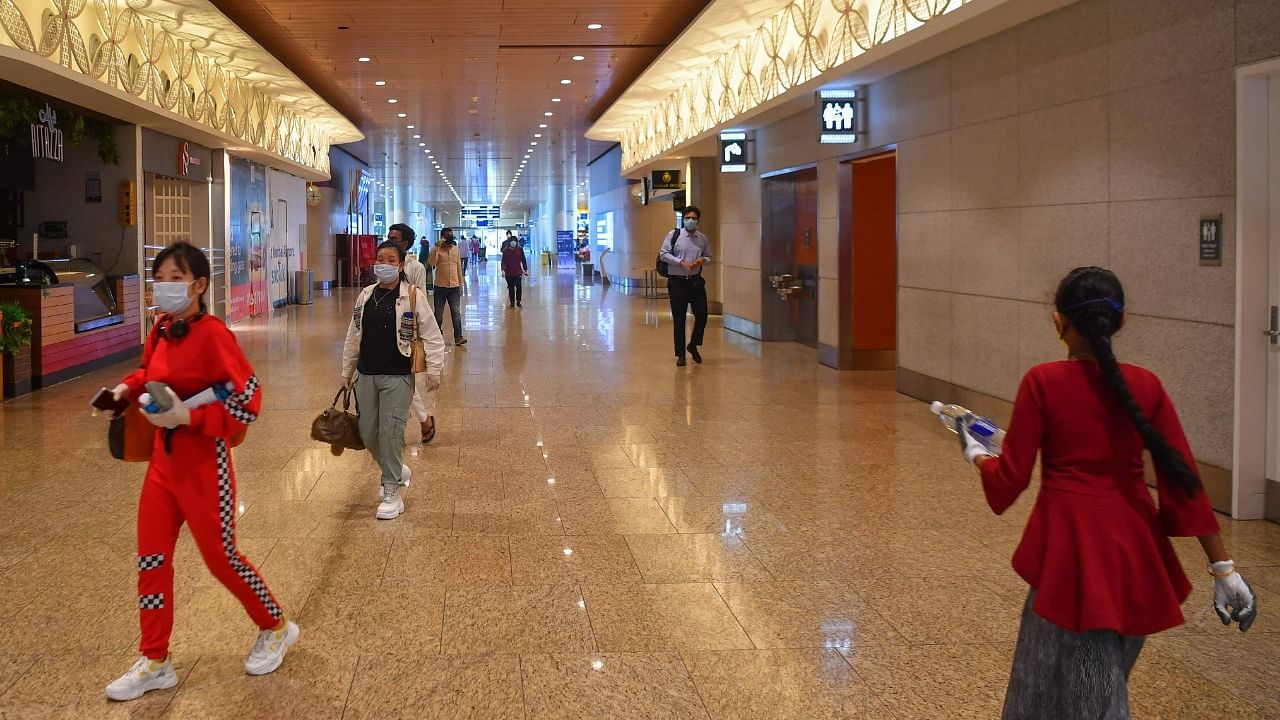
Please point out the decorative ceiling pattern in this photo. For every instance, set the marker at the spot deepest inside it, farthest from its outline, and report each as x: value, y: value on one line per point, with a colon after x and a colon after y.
x: 451, y: 95
x: 788, y: 49
x: 185, y: 58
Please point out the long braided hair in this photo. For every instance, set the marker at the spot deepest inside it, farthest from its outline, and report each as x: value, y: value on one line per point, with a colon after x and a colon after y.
x: 1091, y: 300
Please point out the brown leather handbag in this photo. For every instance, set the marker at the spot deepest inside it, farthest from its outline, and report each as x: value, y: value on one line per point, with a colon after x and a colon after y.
x: 130, y: 437
x: 339, y: 428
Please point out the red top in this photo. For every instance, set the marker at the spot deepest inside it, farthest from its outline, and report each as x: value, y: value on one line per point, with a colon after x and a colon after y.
x: 209, y: 354
x: 1096, y: 547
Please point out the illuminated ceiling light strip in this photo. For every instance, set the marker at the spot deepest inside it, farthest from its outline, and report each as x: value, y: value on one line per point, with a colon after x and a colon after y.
x: 275, y: 111
x: 768, y: 61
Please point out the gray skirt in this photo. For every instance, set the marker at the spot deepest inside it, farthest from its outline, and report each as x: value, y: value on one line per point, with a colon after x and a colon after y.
x: 1063, y: 675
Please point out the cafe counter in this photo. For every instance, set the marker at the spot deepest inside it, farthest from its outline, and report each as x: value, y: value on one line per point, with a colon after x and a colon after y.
x: 61, y: 346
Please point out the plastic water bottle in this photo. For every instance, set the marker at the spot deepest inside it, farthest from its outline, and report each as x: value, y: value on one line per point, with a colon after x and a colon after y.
x: 983, y: 430
x: 212, y: 394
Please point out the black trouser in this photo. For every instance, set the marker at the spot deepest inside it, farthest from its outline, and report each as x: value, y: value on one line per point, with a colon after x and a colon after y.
x: 686, y: 292
x: 454, y: 297
x: 515, y: 288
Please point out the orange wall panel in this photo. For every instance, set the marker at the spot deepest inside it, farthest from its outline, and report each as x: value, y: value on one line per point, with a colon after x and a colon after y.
x: 875, y: 254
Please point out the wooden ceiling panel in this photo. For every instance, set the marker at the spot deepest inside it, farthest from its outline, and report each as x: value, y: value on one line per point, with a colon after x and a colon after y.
x: 435, y: 57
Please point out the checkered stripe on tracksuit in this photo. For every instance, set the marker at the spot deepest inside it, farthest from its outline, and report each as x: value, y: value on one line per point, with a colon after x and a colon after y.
x: 150, y: 562
x: 226, y: 518
x: 235, y: 403
x: 151, y: 602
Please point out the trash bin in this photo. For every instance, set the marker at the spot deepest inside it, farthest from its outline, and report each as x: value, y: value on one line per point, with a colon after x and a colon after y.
x: 302, y: 283
x: 588, y: 271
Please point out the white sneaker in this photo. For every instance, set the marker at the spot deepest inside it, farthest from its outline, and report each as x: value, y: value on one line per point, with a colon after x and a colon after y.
x: 145, y: 675
x: 406, y: 476
x: 268, y: 651
x: 392, y: 504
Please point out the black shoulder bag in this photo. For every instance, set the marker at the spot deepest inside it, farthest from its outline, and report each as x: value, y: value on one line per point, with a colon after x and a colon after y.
x: 662, y: 264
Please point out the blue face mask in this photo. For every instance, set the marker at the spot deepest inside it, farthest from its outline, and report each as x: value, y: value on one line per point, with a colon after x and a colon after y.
x: 690, y: 224
x: 171, y: 297
x: 386, y: 273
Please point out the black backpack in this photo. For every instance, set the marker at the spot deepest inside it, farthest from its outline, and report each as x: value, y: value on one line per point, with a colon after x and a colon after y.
x: 662, y: 264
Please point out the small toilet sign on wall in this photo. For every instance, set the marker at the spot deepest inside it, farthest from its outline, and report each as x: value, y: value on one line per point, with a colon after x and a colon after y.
x: 1211, y: 240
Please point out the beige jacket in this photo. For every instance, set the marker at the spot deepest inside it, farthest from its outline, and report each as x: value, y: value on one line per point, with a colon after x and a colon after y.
x: 428, y: 331
x: 447, y: 261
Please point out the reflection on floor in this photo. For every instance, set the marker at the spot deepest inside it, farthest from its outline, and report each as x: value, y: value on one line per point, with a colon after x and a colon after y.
x: 594, y: 533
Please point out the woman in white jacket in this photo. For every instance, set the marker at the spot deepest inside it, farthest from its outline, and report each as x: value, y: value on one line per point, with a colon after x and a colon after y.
x: 377, y: 355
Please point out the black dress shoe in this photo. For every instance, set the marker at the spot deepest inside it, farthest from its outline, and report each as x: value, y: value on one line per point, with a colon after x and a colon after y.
x: 693, y: 350
x: 680, y: 362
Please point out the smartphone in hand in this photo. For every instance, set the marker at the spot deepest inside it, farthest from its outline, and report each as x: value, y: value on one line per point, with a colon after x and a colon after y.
x: 107, y: 402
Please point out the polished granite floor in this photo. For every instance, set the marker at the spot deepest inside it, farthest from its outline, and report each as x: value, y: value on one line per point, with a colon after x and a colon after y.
x: 594, y: 533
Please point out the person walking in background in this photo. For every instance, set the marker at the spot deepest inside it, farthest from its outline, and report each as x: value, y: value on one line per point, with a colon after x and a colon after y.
x: 447, y: 261
x: 377, y: 358
x: 514, y: 268
x: 190, y: 479
x: 414, y: 271
x: 1096, y: 548
x: 686, y: 252
x: 424, y: 401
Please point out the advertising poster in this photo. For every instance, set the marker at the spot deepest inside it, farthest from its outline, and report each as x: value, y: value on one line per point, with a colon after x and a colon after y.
x: 564, y: 246
x: 247, y: 269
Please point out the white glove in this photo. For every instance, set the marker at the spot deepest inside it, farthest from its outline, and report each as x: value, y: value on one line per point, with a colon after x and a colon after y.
x: 433, y: 382
x: 971, y: 448
x: 1233, y: 599
x: 120, y: 392
x: 174, y: 417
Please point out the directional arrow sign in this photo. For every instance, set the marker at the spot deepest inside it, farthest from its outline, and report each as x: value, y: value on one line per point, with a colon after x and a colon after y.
x: 733, y: 152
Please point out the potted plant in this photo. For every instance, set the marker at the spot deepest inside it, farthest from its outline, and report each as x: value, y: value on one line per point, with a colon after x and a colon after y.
x: 15, y: 343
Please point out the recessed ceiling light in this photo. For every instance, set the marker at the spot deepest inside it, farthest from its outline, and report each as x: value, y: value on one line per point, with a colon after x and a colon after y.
x: 364, y: 59
x: 415, y: 137
x: 402, y: 115
x: 380, y: 83
x: 422, y: 145
x: 579, y: 57
x: 410, y: 127
x: 548, y: 113
x: 566, y: 81
x: 393, y: 101
x: 533, y: 142
x: 594, y: 26
x: 537, y: 135
x: 542, y: 125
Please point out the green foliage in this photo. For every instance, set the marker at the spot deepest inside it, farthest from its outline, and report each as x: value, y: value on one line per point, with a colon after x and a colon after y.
x: 15, y: 328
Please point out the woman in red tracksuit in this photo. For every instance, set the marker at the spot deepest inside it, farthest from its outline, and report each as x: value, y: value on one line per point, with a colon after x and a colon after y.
x: 1096, y: 549
x: 190, y: 478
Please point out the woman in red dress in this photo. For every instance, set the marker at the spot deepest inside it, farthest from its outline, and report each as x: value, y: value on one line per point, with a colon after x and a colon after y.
x: 1096, y: 548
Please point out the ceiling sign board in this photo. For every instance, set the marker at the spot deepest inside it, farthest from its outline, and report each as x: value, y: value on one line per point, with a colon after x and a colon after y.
x: 733, y: 152
x: 665, y: 180
x: 841, y: 116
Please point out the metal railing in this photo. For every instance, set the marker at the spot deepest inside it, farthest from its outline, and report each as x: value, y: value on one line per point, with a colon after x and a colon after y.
x: 651, y: 289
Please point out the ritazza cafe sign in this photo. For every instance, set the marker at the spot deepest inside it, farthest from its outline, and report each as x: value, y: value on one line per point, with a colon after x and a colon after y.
x: 46, y: 137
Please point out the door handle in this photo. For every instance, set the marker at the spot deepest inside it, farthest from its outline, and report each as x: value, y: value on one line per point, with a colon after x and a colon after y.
x: 1274, y: 331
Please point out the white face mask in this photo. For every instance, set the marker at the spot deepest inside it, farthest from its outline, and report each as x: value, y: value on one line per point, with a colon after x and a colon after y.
x: 386, y: 273
x: 172, y: 297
